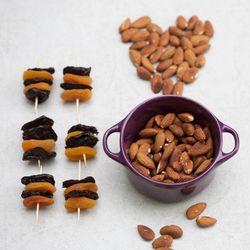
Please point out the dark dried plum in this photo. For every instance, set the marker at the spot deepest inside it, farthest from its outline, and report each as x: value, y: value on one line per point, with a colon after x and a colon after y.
x: 74, y: 86
x: 82, y: 71
x: 38, y: 178
x: 38, y: 154
x: 40, y: 133
x: 28, y: 193
x: 69, y: 183
x: 81, y: 140
x: 83, y: 128
x: 36, y: 80
x: 51, y: 70
x: 42, y: 120
x: 82, y: 193
x: 42, y: 95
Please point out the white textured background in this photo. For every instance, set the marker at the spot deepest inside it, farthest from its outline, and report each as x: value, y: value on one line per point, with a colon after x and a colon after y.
x: 62, y: 32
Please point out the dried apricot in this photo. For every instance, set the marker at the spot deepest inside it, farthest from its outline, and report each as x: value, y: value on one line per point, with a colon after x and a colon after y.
x: 82, y: 186
x: 72, y: 134
x: 47, y: 145
x: 41, y: 186
x: 76, y: 154
x: 29, y: 74
x: 73, y: 94
x: 31, y: 201
x: 41, y: 85
x: 71, y: 78
x: 79, y: 202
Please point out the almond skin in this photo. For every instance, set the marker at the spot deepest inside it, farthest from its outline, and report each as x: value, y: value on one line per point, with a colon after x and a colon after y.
x: 195, y: 210
x: 172, y: 230
x: 205, y: 221
x: 141, y: 22
x: 145, y: 232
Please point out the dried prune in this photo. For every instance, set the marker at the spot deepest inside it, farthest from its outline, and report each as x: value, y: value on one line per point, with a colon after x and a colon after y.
x: 83, y: 128
x: 28, y: 193
x: 47, y: 145
x: 72, y: 95
x: 82, y: 186
x: 51, y: 70
x: 76, y: 154
x: 41, y: 186
x: 29, y: 74
x: 31, y: 201
x: 82, y: 193
x: 41, y: 86
x: 69, y: 183
x: 42, y: 95
x: 38, y: 154
x: 42, y: 120
x: 40, y: 133
x: 81, y: 140
x: 36, y: 80
x: 38, y: 178
x: 74, y: 86
x: 82, y: 71
x: 79, y: 202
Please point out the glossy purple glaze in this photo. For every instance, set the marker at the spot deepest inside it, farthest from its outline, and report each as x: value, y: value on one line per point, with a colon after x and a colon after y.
x: 135, y: 121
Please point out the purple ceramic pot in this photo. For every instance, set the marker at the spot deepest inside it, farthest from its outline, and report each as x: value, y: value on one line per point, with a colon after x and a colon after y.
x: 136, y: 120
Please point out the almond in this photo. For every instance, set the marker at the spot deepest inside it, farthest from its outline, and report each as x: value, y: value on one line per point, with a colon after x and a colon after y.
x: 138, y: 45
x: 164, y: 65
x: 141, y: 22
x: 175, y: 31
x: 203, y: 167
x: 176, y: 130
x: 184, y: 156
x: 186, y: 117
x: 198, y: 149
x: 195, y: 210
x: 145, y: 160
x: 201, y: 49
x: 188, y: 34
x: 173, y: 175
x: 141, y: 141
x: 190, y: 75
x: 148, y: 132
x: 125, y: 25
x: 170, y: 71
x: 127, y: 34
x: 140, y: 36
x: 147, y: 64
x: 186, y: 43
x: 144, y: 171
x: 161, y: 167
x: 162, y: 241
x: 159, y: 141
x: 150, y: 122
x: 208, y: 29
x: 143, y: 73
x: 154, y: 38
x: 190, y: 57
x: 158, y: 177
x: 181, y: 22
x: 188, y: 129
x: 177, y: 166
x: 145, y: 148
x: 156, y: 55
x: 178, y: 88
x: 167, y: 87
x: 164, y: 39
x: 198, y: 160
x: 174, y: 40
x: 135, y: 57
x: 168, y: 53
x: 200, y: 61
x: 172, y: 230
x: 167, y: 120
x: 158, y: 119
x: 148, y: 50
x: 191, y: 22
x: 198, y: 40
x: 178, y: 56
x: 185, y: 177
x: 157, y: 158
x: 182, y: 68
x: 168, y: 150
x: 205, y: 221
x: 199, y: 135
x: 156, y: 83
x: 169, y: 136
x: 188, y: 167
x: 198, y: 28
x: 145, y: 232
x: 133, y: 149
x: 152, y: 27
x: 175, y: 156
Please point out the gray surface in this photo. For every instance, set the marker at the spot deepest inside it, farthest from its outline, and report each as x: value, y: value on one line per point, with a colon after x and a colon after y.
x: 59, y: 33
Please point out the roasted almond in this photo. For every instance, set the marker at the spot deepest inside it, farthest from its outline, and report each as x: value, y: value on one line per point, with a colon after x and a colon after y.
x: 170, y: 71
x: 143, y: 73
x: 169, y: 136
x: 127, y: 34
x: 184, y: 156
x: 175, y: 31
x: 157, y: 158
x: 201, y: 49
x: 188, y: 34
x: 175, y: 156
x: 186, y: 117
x: 185, y: 177
x: 135, y: 57
x: 203, y: 167
x: 145, y: 160
x: 145, y: 232
x: 148, y: 132
x: 162, y: 241
x: 164, y: 65
x: 173, y: 175
x: 182, y: 68
x: 145, y: 148
x: 178, y: 88
x: 141, y: 141
x: 155, y: 57
x: 148, y: 50
x: 198, y: 40
x: 195, y: 210
x: 154, y: 38
x: 200, y: 61
x: 188, y: 167
x: 138, y: 45
x: 167, y: 120
x: 133, y: 149
x: 147, y: 64
x: 158, y: 119
x: 178, y: 56
x: 181, y: 22
x: 172, y: 230
x: 176, y: 130
x: 190, y: 57
x: 144, y: 171
x: 168, y: 53
x: 156, y: 83
x: 205, y: 221
x: 152, y: 27
x: 141, y: 35
x: 199, y: 135
x: 208, y: 29
x: 164, y: 39
x: 150, y: 122
x: 167, y: 87
x: 186, y: 43
x: 191, y: 22
x: 159, y: 141
x: 168, y: 150
x: 198, y: 160
x: 198, y: 28
x: 177, y: 166
x: 125, y: 25
x: 158, y: 177
x: 188, y: 129
x: 199, y: 149
x: 190, y: 75
x: 174, y: 40
x: 141, y: 22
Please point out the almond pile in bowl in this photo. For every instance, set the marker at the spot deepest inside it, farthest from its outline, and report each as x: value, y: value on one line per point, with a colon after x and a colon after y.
x: 160, y: 55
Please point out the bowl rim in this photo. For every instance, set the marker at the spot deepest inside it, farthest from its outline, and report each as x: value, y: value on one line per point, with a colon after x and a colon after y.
x: 159, y: 183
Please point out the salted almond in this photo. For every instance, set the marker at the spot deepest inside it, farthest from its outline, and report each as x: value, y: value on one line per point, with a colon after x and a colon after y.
x: 178, y: 56
x: 155, y: 57
x: 127, y: 34
x: 175, y: 31
x: 168, y: 53
x: 191, y: 22
x: 156, y: 83
x: 164, y: 39
x: 199, y: 135
x: 173, y: 175
x: 169, y: 136
x: 144, y: 171
x: 205, y: 221
x: 167, y: 120
x: 178, y: 88
x: 148, y: 132
x: 159, y: 141
x: 195, y: 210
x: 139, y: 45
x: 186, y: 117
x: 201, y: 49
x: 208, y: 29
x: 190, y: 75
x: 148, y: 50
x: 172, y: 230
x: 147, y: 64
x: 188, y: 167
x: 200, y: 61
x: 164, y: 65
x: 152, y: 27
x: 125, y: 25
x: 141, y: 35
x: 145, y: 160
x: 141, y: 22
x: 182, y: 68
x: 198, y: 40
x: 145, y: 148
x: 174, y: 41
x: 198, y: 28
x: 203, y: 167
x: 170, y: 71
x: 168, y: 150
x: 168, y: 86
x: 162, y: 241
x: 145, y: 232
x: 181, y: 22
x: 143, y: 73
x: 135, y: 57
x: 186, y: 43
x: 190, y: 57
x: 158, y: 119
x: 188, y: 129
x: 154, y: 38
x: 176, y: 130
x: 133, y: 149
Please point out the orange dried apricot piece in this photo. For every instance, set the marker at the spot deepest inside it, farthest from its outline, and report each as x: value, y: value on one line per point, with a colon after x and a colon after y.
x: 76, y: 154
x: 47, y: 145
x: 40, y: 85
x: 73, y: 94
x: 79, y: 202
x: 41, y: 186
x: 72, y: 134
x: 31, y: 201
x: 29, y: 74
x: 82, y: 186
x: 71, y: 78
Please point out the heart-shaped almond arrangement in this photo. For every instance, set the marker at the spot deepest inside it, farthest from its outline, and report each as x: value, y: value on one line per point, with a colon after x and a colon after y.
x: 160, y: 55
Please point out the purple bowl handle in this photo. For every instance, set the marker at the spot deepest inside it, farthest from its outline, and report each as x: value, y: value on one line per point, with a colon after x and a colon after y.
x: 225, y: 156
x: 115, y: 156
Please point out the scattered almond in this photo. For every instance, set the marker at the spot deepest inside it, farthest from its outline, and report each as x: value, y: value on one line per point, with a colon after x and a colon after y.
x: 195, y: 210
x: 205, y: 221
x: 145, y: 232
x: 162, y: 241
x: 173, y: 230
